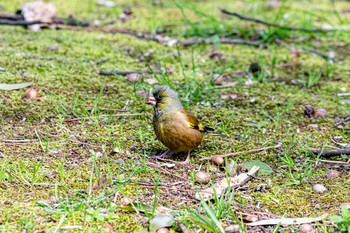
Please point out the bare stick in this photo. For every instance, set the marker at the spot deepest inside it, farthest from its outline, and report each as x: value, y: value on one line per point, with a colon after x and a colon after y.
x: 242, y: 17
x: 223, y: 41
x: 183, y: 227
x: 165, y: 171
x: 39, y: 138
x: 124, y: 73
x: 102, y: 116
x: 317, y: 53
x: 18, y: 22
x: 243, y: 152
x: 342, y: 122
x: 330, y: 153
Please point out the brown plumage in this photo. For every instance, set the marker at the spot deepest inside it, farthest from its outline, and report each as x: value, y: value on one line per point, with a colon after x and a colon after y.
x: 177, y: 128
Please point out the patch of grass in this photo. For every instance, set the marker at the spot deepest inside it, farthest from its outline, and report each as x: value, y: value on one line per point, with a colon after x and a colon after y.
x: 343, y: 222
x: 52, y: 157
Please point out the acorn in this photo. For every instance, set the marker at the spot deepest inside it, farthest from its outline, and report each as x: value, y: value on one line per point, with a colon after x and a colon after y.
x: 31, y: 94
x: 134, y: 77
x: 163, y: 230
x: 202, y: 177
x: 217, y: 160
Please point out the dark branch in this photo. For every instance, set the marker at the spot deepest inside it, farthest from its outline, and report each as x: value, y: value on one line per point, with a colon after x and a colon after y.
x: 223, y: 41
x: 18, y: 22
x: 242, y: 17
x: 330, y: 153
x: 124, y: 73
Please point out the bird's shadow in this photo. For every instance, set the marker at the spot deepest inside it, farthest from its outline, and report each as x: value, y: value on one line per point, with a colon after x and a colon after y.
x: 152, y: 153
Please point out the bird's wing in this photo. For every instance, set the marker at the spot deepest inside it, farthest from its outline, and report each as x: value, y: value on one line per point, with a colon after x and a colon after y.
x: 193, y: 121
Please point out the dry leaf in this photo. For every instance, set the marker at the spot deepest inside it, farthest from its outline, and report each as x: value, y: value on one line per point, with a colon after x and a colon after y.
x: 221, y: 186
x: 287, y: 221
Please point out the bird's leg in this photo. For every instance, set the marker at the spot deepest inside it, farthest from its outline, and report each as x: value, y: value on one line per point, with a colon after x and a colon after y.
x: 187, y: 161
x: 162, y: 154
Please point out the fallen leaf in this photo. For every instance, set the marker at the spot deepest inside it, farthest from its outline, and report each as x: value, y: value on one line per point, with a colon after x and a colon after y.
x: 160, y: 221
x: 229, y: 96
x: 151, y: 81
x: 106, y: 3
x: 265, y: 169
x: 9, y: 87
x: 38, y: 11
x: 287, y: 221
x: 221, y: 186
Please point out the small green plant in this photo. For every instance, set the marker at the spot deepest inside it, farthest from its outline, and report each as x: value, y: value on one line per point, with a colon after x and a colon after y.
x: 279, y: 112
x: 343, y: 222
x: 219, y: 209
x: 311, y: 79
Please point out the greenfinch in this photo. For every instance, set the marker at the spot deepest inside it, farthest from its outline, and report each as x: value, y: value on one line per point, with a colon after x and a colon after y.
x: 177, y: 128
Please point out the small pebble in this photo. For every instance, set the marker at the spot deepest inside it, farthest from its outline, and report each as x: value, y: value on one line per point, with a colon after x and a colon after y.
x: 163, y: 230
x: 202, y: 177
x: 332, y: 174
x: 320, y: 113
x: 233, y: 229
x: 312, y: 127
x: 134, y: 77
x: 319, y: 188
x: 345, y: 204
x: 307, y: 228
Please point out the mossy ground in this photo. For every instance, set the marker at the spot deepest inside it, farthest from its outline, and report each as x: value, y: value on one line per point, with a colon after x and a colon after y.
x: 45, y: 159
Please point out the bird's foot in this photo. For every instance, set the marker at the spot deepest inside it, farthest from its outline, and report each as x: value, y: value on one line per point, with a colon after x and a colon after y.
x: 186, y: 162
x: 161, y: 156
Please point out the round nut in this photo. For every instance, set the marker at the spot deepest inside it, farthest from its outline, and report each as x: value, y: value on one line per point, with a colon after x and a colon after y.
x: 217, y: 160
x: 202, y: 177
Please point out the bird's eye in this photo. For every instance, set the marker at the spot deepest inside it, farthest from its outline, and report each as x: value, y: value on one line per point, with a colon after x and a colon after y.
x: 158, y: 97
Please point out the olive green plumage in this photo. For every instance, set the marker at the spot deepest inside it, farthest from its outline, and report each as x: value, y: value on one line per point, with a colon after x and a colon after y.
x: 177, y: 128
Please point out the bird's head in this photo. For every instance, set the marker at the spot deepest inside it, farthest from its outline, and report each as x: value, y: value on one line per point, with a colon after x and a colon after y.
x: 164, y: 98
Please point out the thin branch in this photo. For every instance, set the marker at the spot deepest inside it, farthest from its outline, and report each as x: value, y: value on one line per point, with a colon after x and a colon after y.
x: 317, y: 53
x: 330, y: 153
x: 124, y: 73
x: 102, y: 116
x: 243, y: 152
x: 242, y: 17
x: 341, y: 122
x: 157, y: 168
x: 223, y: 41
x: 19, y: 22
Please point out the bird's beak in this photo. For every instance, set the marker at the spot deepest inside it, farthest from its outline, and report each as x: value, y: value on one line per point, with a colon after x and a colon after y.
x: 151, y: 100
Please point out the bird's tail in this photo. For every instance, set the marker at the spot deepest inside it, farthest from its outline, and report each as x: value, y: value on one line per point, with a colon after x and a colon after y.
x: 210, y: 132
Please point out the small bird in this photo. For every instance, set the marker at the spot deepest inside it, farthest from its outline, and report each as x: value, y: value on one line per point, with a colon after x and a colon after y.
x: 177, y: 128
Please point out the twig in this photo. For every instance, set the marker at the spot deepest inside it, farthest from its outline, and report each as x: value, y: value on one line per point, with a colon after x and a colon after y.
x: 40, y: 142
x: 242, y: 17
x: 18, y: 22
x: 342, y: 94
x: 335, y: 162
x: 165, y: 171
x: 102, y: 116
x: 244, y: 152
x: 317, y: 53
x: 223, y: 41
x: 182, y: 227
x: 341, y: 122
x: 221, y: 186
x: 124, y: 73
x: 19, y: 140
x: 330, y: 153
